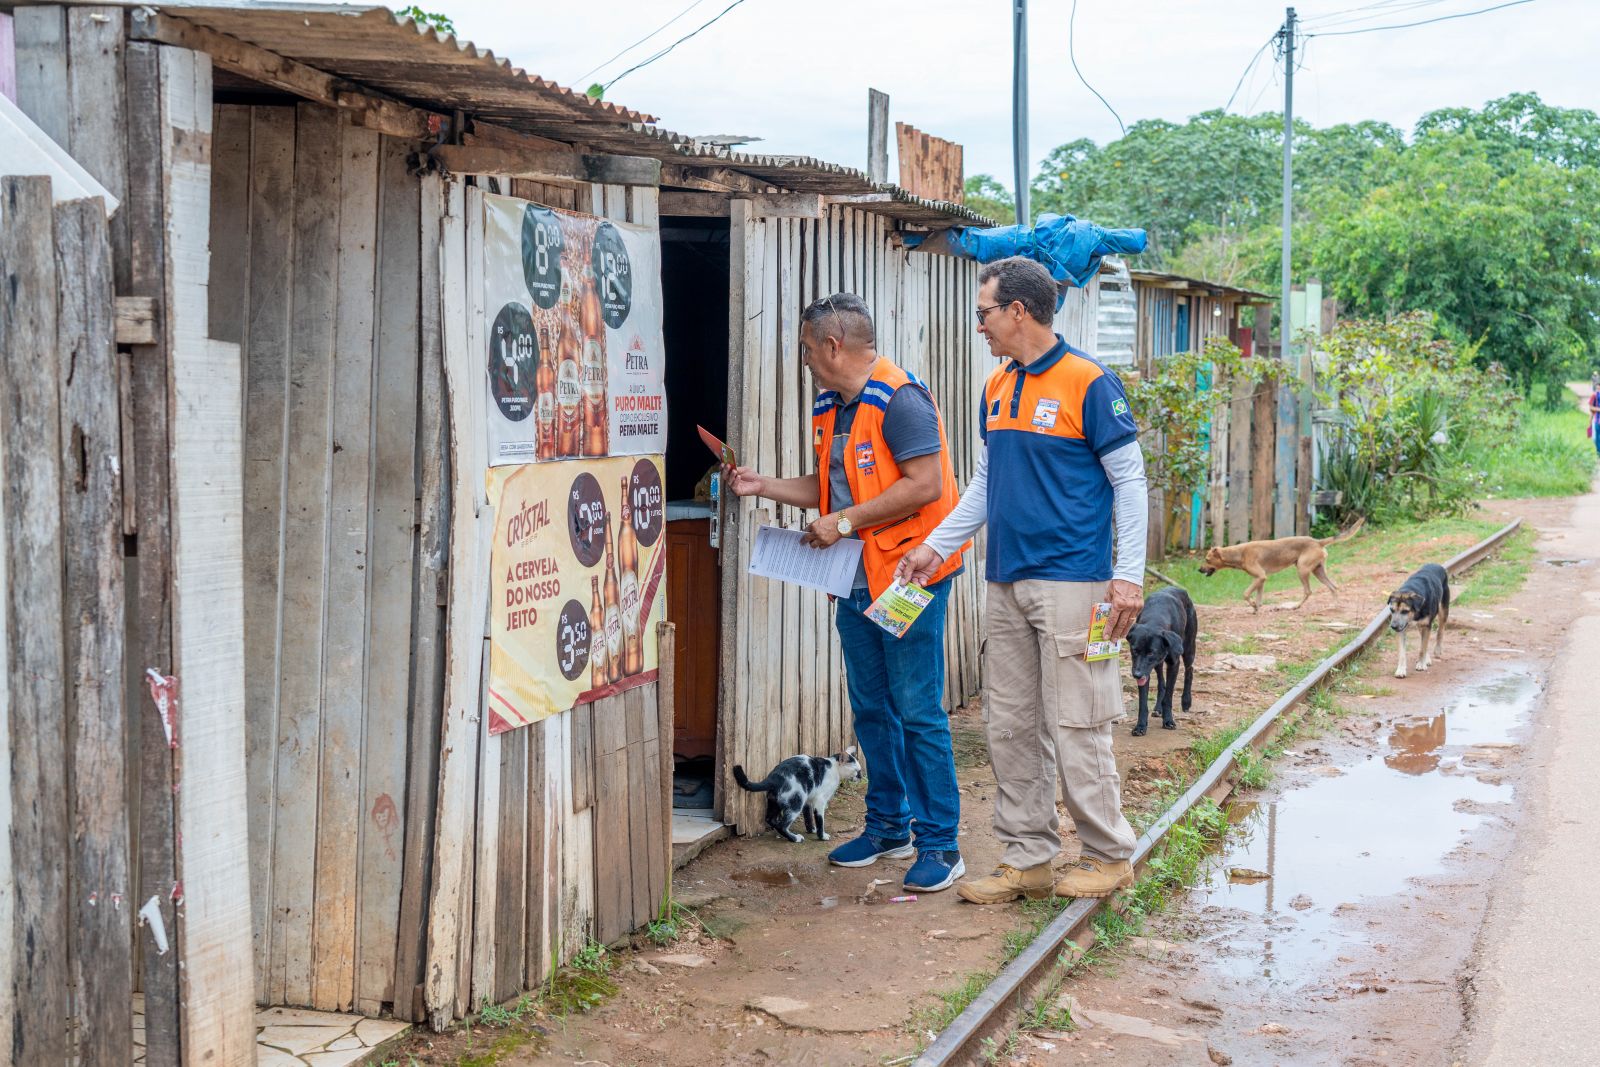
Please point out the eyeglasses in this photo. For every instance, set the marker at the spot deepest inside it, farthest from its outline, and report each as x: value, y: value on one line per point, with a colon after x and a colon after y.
x: 983, y: 312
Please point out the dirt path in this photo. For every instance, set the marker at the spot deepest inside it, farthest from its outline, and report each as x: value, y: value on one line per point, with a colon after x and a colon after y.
x: 1541, y: 933
x: 810, y: 966
x: 1386, y: 841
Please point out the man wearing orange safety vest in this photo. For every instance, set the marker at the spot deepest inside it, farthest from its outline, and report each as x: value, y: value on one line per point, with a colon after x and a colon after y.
x: 884, y: 476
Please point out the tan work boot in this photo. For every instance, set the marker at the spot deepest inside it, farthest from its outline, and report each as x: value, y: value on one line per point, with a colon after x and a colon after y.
x: 1090, y: 877
x: 1007, y: 884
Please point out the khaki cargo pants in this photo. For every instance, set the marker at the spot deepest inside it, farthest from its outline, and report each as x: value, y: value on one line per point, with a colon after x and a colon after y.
x: 1048, y: 712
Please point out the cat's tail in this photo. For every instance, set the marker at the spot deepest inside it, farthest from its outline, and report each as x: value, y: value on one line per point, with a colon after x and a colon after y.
x: 745, y: 782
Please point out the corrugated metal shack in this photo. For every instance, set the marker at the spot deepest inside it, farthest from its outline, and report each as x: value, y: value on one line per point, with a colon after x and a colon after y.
x: 315, y: 811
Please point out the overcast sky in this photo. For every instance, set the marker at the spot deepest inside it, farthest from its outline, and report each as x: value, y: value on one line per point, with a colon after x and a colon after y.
x: 797, y: 73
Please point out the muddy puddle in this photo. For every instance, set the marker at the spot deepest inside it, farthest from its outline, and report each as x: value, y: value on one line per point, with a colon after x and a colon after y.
x: 1356, y: 832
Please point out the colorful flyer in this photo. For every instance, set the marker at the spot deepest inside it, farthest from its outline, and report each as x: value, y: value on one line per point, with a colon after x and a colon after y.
x: 1098, y: 647
x: 899, y: 607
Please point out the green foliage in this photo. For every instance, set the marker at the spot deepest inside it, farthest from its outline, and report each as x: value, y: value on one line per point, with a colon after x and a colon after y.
x: 987, y: 196
x: 1501, y: 574
x: 1410, y: 405
x: 1176, y: 401
x: 1508, y: 260
x: 1486, y: 218
x: 434, y: 19
x: 1548, y: 454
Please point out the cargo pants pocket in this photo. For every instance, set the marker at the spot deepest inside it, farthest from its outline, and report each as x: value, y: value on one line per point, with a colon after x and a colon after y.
x: 1080, y: 693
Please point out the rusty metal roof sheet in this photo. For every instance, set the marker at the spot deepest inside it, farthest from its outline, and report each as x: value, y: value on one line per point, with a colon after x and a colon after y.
x: 418, y: 64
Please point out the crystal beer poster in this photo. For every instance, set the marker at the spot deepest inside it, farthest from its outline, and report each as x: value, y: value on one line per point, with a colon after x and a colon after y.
x: 576, y: 588
x: 574, y: 334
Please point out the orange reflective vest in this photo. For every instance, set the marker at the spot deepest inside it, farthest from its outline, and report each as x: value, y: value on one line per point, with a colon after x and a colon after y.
x: 870, y: 469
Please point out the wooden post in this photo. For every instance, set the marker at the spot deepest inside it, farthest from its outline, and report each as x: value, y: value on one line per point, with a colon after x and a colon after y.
x: 1263, y: 449
x: 147, y: 479
x: 666, y: 681
x: 91, y: 503
x: 30, y: 438
x: 877, y: 136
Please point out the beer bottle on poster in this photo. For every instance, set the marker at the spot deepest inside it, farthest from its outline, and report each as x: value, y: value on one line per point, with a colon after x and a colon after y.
x: 599, y: 671
x: 628, y: 564
x: 545, y: 396
x: 596, y: 423
x: 613, y: 627
x: 569, y: 390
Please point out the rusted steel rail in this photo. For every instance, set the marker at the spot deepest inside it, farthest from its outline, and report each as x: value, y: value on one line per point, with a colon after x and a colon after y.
x: 961, y: 1041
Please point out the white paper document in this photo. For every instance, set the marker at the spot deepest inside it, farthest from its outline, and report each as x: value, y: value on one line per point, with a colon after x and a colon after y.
x: 781, y: 554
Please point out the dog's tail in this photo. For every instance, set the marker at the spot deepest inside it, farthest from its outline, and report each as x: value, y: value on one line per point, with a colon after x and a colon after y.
x: 745, y: 783
x: 1344, y: 535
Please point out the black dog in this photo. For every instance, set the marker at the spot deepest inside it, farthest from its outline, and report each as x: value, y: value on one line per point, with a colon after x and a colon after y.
x: 1423, y: 598
x: 1164, y: 634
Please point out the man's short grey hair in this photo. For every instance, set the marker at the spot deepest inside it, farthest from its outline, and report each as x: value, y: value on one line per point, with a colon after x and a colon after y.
x: 1020, y: 278
x: 842, y: 315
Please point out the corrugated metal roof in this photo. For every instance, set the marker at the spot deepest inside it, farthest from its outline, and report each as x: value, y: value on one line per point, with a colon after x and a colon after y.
x: 396, y: 56
x: 1177, y: 281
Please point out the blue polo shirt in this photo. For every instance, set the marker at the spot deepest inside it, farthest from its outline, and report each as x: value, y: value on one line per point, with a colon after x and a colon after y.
x: 1045, y: 426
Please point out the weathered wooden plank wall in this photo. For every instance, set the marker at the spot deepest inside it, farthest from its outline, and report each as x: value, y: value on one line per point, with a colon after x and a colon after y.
x: 316, y: 277
x: 522, y: 876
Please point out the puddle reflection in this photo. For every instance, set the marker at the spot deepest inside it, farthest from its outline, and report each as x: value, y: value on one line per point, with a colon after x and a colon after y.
x: 1337, y: 841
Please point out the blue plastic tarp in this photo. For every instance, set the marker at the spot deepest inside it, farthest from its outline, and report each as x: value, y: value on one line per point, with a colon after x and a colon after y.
x: 1070, y: 248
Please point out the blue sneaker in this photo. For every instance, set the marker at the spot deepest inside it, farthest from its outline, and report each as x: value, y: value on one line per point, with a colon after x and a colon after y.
x: 866, y: 850
x: 934, y: 870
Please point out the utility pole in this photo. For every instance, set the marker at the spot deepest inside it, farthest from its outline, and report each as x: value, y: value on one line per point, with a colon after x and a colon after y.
x: 1286, y: 35
x: 1019, y: 105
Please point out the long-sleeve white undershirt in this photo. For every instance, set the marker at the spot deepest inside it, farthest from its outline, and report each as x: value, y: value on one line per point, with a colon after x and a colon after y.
x: 1130, y: 505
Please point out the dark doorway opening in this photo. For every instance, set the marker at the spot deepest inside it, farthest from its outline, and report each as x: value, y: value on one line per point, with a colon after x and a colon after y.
x: 694, y: 283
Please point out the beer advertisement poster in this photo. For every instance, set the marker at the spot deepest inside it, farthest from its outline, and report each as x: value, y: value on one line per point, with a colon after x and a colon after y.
x: 575, y: 360
x: 577, y: 585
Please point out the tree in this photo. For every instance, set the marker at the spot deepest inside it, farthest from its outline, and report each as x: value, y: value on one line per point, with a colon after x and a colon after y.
x: 988, y: 197
x: 1521, y: 122
x: 1498, y: 243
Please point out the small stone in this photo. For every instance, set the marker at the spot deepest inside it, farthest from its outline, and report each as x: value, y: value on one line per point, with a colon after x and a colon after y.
x: 1300, y: 903
x: 646, y: 967
x: 1273, y: 1028
x: 1218, y: 1057
x: 1246, y: 874
x: 683, y: 960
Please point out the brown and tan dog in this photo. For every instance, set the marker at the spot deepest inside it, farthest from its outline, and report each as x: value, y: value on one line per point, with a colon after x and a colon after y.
x: 1259, y: 559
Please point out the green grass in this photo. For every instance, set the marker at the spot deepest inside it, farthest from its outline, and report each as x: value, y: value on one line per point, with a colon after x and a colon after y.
x: 951, y: 1003
x: 1407, y: 545
x: 1548, y: 455
x: 1501, y: 574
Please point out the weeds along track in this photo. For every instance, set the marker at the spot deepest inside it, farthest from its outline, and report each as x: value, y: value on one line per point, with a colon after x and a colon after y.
x: 1007, y: 997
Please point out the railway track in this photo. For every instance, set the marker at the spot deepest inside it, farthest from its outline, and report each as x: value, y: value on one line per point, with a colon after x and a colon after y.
x: 993, y: 1012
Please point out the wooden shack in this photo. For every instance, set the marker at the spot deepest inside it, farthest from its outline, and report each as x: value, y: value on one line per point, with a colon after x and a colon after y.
x: 295, y: 797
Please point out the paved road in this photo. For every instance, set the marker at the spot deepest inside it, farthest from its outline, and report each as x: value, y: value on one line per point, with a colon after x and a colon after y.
x: 1539, y: 957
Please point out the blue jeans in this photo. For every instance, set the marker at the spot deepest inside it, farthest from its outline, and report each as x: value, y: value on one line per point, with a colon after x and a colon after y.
x: 896, y: 688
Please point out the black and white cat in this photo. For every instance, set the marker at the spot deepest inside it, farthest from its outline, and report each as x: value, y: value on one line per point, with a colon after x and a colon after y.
x: 802, y: 785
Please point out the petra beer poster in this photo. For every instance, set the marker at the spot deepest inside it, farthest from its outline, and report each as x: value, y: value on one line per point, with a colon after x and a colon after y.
x: 575, y: 347
x: 577, y: 584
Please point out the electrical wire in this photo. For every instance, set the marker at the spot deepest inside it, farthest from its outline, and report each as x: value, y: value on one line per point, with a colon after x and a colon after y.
x: 1424, y: 22
x: 1248, y: 67
x: 1371, y: 11
x: 636, y: 44
x: 1071, y: 21
x: 646, y: 62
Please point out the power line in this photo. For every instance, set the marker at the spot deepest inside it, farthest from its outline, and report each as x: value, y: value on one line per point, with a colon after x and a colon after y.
x: 1248, y: 67
x: 1424, y: 22
x: 646, y: 62
x: 1071, y: 20
x: 1370, y: 11
x: 640, y: 41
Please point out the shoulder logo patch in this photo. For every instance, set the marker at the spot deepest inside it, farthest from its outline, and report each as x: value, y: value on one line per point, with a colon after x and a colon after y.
x: 1119, y: 406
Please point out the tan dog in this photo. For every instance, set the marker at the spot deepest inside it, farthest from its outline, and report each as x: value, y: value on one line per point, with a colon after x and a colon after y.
x: 1259, y: 559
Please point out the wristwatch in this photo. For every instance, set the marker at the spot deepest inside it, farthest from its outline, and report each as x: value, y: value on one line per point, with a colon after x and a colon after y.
x: 845, y: 525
